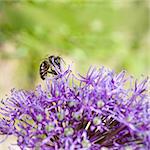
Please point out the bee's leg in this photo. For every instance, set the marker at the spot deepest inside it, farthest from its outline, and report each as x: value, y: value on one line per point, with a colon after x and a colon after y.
x: 52, y: 72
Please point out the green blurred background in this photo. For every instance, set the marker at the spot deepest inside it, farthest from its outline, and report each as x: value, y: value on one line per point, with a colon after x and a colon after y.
x: 113, y: 33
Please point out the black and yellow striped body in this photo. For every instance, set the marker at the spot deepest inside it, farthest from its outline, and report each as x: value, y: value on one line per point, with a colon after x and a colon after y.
x: 49, y: 66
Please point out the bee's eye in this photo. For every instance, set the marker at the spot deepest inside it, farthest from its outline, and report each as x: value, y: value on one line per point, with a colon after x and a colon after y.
x: 57, y: 60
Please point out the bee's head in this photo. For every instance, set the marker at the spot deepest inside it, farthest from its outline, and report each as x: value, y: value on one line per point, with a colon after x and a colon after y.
x: 57, y: 61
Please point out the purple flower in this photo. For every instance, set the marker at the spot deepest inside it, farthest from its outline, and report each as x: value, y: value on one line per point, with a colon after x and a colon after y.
x: 102, y: 110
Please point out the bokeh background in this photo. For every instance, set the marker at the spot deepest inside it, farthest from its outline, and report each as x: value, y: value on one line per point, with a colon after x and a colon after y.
x: 111, y: 33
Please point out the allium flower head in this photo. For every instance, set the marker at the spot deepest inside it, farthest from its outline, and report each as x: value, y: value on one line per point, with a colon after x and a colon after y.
x: 100, y: 111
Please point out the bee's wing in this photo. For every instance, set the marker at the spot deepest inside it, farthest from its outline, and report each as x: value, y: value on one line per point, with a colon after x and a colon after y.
x: 58, y: 61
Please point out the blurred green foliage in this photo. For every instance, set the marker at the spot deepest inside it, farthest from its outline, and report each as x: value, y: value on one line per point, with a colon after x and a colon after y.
x: 113, y: 33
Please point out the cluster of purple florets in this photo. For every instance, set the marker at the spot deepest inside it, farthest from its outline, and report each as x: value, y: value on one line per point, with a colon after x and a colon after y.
x: 100, y: 111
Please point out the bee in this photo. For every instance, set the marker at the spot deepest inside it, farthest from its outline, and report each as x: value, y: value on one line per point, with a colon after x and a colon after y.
x: 49, y: 65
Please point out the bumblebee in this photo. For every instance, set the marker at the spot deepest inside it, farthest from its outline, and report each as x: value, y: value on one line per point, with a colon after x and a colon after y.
x: 49, y: 65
